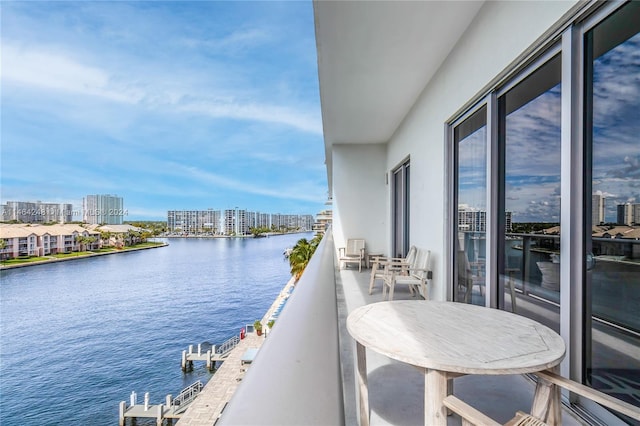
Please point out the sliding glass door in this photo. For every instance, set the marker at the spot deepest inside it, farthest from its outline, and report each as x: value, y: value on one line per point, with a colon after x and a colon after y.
x: 470, y: 151
x: 529, y: 197
x: 567, y: 121
x: 612, y: 235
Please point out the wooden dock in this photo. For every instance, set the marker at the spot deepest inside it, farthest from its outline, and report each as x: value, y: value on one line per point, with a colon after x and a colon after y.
x: 211, y: 356
x: 171, y: 409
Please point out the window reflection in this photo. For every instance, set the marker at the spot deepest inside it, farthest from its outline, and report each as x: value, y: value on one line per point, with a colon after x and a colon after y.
x: 530, y: 139
x: 471, y: 145
x: 613, y: 236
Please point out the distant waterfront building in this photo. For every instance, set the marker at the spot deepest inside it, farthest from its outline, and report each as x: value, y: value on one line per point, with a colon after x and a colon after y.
x: 232, y: 221
x: 37, y: 212
x: 474, y: 220
x: 210, y: 220
x: 597, y: 209
x: 103, y: 209
x: 43, y: 240
x: 471, y: 220
x: 263, y: 220
x: 194, y: 221
x: 323, y: 219
x: 229, y: 222
x: 628, y: 214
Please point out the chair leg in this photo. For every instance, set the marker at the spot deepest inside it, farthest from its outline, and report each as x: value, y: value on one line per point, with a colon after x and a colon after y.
x: 391, y: 288
x: 374, y: 269
x: 384, y: 289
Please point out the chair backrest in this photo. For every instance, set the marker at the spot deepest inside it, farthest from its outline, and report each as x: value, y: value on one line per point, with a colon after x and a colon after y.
x: 464, y: 269
x: 354, y: 247
x: 411, y: 255
x: 420, y: 268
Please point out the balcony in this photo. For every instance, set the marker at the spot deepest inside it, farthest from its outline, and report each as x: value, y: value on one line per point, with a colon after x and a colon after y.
x: 304, y: 373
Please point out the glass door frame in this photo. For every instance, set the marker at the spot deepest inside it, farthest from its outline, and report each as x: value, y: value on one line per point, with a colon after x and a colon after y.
x: 400, y: 220
x: 451, y: 216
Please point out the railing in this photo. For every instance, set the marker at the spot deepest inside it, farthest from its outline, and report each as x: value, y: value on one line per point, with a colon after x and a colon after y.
x: 228, y: 345
x: 530, y: 267
x: 186, y: 396
x: 304, y: 349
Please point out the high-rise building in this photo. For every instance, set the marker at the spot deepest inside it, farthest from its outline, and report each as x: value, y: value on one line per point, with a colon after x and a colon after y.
x: 37, y: 212
x: 475, y: 220
x: 471, y: 220
x: 597, y: 209
x: 103, y: 209
x: 628, y: 214
x: 232, y: 221
x: 229, y: 222
x: 194, y: 221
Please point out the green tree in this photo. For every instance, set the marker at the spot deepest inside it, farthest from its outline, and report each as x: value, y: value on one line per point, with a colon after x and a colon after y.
x: 3, y: 245
x: 90, y: 240
x: 83, y: 241
x: 78, y: 240
x: 301, y: 255
x: 105, y: 236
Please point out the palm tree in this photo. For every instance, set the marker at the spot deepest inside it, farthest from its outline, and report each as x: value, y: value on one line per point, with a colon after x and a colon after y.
x: 79, y: 241
x: 105, y: 236
x: 3, y: 245
x: 301, y: 253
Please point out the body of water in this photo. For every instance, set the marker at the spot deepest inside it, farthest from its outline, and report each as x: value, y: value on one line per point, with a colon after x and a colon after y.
x: 78, y: 337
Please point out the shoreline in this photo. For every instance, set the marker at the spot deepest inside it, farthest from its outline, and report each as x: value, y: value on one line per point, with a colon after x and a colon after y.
x: 218, y: 391
x: 83, y: 256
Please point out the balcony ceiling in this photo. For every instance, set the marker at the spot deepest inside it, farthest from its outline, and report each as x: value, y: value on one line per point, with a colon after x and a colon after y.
x: 374, y: 59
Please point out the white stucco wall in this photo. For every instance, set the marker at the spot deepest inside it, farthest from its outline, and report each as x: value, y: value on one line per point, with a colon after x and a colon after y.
x: 498, y: 35
x: 361, y: 195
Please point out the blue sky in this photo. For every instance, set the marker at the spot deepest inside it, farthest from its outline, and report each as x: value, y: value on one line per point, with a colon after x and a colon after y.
x: 185, y: 105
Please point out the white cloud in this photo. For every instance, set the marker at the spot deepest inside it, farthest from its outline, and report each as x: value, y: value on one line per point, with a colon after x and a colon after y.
x: 299, y: 190
x: 259, y: 112
x: 47, y: 69
x: 237, y: 40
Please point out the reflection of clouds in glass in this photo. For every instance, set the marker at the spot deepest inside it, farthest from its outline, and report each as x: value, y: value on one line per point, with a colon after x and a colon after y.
x: 536, y: 201
x: 616, y: 124
x: 472, y: 169
x: 533, y: 159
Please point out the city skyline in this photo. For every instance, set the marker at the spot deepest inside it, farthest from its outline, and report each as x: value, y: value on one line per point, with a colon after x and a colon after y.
x: 169, y: 105
x: 38, y: 211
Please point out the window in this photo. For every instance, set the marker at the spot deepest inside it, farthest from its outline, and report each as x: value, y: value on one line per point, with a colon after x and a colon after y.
x: 470, y: 151
x: 529, y: 143
x: 611, y: 128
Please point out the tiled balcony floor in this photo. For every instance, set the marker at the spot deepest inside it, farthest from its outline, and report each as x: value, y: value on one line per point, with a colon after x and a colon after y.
x: 396, y: 390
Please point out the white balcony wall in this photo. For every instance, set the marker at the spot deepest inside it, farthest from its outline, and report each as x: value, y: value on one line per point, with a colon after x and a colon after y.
x: 359, y: 183
x: 499, y: 34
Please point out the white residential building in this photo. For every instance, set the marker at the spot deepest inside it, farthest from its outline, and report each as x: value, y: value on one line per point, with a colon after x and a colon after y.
x: 628, y: 214
x: 103, y: 209
x: 597, y: 209
x: 36, y: 212
x: 43, y: 240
